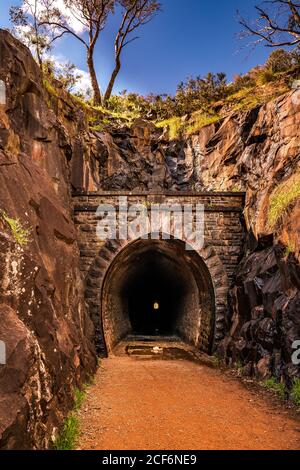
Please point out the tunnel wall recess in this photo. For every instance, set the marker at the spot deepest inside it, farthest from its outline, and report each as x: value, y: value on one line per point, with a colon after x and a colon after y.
x: 124, y: 279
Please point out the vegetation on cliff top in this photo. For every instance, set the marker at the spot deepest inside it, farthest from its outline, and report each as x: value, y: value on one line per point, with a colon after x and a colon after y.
x: 41, y: 23
x: 198, y: 101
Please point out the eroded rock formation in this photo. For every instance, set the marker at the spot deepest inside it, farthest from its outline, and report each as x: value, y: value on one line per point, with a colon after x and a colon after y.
x: 259, y: 152
x: 43, y: 319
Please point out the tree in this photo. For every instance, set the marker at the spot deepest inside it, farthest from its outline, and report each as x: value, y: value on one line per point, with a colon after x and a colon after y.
x: 295, y: 54
x: 27, y: 20
x: 198, y: 93
x: 279, y: 61
x: 91, y: 16
x: 65, y: 73
x: 276, y: 26
x: 135, y: 13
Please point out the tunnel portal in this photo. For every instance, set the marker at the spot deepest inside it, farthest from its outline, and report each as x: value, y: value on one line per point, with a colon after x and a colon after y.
x: 157, y: 288
x: 124, y: 280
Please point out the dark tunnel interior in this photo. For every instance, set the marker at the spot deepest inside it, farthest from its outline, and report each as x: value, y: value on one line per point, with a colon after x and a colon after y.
x: 158, y: 288
x: 154, y: 295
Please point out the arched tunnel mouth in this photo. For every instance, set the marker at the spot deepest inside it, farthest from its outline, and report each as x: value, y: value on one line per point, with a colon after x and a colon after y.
x: 154, y: 294
x: 158, y: 289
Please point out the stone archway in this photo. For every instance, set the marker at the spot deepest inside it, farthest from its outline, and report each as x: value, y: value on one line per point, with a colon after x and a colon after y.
x: 190, y: 287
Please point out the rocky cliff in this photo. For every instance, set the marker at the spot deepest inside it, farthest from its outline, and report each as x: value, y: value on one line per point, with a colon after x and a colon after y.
x: 43, y: 320
x: 49, y: 149
x: 259, y: 152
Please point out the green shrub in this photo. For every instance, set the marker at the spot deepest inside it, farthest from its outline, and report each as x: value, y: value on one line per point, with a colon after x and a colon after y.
x: 50, y: 88
x: 217, y: 361
x: 241, y: 82
x: 200, y: 121
x: 79, y: 397
x: 20, y: 234
x: 296, y: 392
x: 274, y: 386
x: 282, y: 198
x: 279, y: 61
x: 70, y: 432
x: 265, y: 76
x: 174, y: 125
x: 239, y: 366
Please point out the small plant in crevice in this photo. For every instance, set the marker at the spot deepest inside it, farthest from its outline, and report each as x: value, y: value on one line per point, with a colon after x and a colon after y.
x: 282, y: 198
x: 79, y: 397
x: 217, y: 361
x: 21, y: 235
x: 274, y: 386
x: 290, y: 248
x: 51, y: 90
x: 296, y: 392
x: 239, y: 367
x: 70, y: 432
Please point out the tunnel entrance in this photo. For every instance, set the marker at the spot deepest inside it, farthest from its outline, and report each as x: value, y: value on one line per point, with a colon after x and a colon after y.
x: 155, y: 296
x: 157, y: 288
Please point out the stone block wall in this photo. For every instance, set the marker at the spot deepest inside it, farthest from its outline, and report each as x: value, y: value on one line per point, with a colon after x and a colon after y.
x: 224, y: 239
x: 224, y: 228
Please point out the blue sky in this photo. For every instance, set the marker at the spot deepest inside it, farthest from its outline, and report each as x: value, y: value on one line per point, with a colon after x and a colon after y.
x: 190, y: 37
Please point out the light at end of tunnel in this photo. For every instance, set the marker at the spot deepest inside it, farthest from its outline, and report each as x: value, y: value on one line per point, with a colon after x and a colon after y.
x: 156, y: 306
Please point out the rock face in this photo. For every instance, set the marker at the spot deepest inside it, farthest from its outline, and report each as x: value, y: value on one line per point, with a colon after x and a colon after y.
x: 131, y: 158
x: 265, y: 320
x: 256, y: 152
x: 259, y: 152
x: 43, y: 320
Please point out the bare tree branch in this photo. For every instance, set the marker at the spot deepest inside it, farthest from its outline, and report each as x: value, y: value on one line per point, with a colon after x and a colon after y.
x: 277, y: 26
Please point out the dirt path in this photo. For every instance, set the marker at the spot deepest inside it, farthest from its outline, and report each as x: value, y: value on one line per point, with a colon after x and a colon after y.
x: 176, y: 405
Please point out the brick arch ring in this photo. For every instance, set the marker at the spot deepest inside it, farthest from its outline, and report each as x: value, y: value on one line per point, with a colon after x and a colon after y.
x: 107, y: 271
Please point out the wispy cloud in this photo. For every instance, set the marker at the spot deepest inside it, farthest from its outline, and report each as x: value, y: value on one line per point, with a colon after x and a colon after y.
x: 84, y: 82
x: 74, y: 22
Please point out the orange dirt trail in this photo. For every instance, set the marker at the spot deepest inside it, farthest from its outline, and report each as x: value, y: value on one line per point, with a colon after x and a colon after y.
x: 138, y: 404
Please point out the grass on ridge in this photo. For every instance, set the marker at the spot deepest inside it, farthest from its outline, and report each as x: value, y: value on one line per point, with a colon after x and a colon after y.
x: 175, y: 127
x: 201, y: 120
x: 178, y: 127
